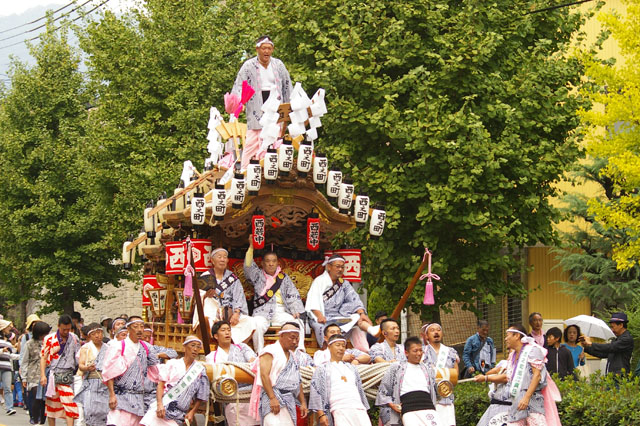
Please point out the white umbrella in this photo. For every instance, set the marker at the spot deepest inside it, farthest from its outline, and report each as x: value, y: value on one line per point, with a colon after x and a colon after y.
x: 591, y: 326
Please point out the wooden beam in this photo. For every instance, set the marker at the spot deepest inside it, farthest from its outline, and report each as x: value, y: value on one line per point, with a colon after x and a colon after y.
x: 208, y: 174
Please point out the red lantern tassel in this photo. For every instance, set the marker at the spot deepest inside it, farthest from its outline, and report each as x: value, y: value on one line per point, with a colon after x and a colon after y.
x: 428, y: 294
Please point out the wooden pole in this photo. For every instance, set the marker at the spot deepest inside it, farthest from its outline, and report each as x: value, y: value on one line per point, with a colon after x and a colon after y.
x: 400, y: 306
x: 200, y: 311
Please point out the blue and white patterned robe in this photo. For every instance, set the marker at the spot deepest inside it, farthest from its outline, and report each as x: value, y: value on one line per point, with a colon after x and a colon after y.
x: 94, y: 396
x: 233, y: 296
x: 430, y: 358
x: 150, y: 387
x: 389, y: 390
x: 384, y: 351
x: 320, y: 395
x: 536, y: 403
x: 290, y: 295
x: 250, y: 71
x: 286, y: 390
x: 199, y: 389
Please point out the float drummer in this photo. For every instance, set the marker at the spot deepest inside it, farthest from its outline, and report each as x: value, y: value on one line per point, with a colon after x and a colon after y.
x: 337, y: 395
x: 276, y: 297
x: 332, y: 299
x: 224, y: 297
x: 180, y: 381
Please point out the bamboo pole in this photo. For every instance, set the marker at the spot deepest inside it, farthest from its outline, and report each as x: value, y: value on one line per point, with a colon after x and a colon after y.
x: 403, y: 300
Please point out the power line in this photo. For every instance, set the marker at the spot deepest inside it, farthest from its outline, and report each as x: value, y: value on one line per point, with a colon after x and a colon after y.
x: 557, y: 6
x: 56, y: 28
x: 44, y: 25
x: 39, y: 19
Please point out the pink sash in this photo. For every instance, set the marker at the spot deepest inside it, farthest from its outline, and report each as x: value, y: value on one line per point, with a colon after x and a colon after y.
x: 551, y: 395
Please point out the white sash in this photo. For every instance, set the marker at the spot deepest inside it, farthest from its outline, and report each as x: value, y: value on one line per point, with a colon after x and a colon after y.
x: 183, y: 384
x: 443, y: 354
x: 516, y: 382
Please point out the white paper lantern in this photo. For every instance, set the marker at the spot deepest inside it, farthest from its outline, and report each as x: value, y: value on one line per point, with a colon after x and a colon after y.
x: 198, y: 209
x: 149, y: 221
x: 334, y: 179
x: 320, y: 167
x: 376, y: 225
x: 219, y: 201
x: 237, y: 191
x: 178, y: 203
x: 271, y: 165
x: 345, y: 195
x: 361, y: 210
x: 126, y: 254
x: 285, y: 158
x: 305, y: 158
x: 161, y: 199
x: 254, y: 176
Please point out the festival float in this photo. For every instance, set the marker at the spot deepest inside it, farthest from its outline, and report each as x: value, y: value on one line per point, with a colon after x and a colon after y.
x: 292, y: 201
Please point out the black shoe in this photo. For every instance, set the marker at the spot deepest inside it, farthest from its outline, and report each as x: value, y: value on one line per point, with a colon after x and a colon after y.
x: 11, y: 412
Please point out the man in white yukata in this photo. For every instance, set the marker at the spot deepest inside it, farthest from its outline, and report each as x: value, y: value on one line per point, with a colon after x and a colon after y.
x: 227, y: 351
x: 437, y: 355
x: 124, y: 368
x: 337, y: 395
x: 353, y: 356
x: 407, y: 392
x: 388, y: 350
x: 332, y: 299
x: 180, y: 382
x: 269, y: 77
x: 278, y: 382
x: 223, y: 298
x: 276, y: 300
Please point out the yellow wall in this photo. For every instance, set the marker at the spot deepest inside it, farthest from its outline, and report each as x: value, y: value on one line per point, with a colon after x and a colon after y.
x: 545, y: 296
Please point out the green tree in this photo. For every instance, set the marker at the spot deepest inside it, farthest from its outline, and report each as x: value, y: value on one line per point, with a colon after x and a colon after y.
x: 52, y: 246
x: 614, y: 131
x: 458, y: 116
x: 587, y: 252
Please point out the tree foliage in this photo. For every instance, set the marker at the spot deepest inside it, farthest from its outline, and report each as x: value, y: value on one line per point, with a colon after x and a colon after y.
x: 52, y: 228
x: 587, y: 251
x: 614, y: 131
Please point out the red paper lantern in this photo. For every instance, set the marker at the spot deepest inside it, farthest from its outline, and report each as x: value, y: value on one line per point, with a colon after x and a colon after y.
x: 258, y: 230
x: 201, y: 254
x: 176, y: 257
x: 313, y: 232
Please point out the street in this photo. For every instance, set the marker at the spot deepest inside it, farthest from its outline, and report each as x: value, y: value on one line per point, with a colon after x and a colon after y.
x: 21, y: 417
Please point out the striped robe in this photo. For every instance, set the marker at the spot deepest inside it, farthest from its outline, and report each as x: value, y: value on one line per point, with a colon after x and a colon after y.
x: 150, y: 387
x: 430, y: 358
x: 94, y: 397
x: 286, y: 389
x: 384, y: 351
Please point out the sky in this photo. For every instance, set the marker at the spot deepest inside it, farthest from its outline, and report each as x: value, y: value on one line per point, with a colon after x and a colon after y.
x: 11, y: 7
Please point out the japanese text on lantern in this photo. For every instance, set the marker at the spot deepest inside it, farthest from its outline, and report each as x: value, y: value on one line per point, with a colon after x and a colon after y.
x: 379, y: 224
x: 322, y: 169
x: 198, y: 211
x: 306, y: 153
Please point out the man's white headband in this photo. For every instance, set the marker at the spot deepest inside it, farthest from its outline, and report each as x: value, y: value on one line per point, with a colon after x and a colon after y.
x: 191, y: 339
x: 525, y: 338
x: 95, y: 329
x: 511, y: 330
x: 134, y: 321
x: 219, y: 249
x: 265, y: 40
x: 122, y: 329
x: 426, y: 327
x: 331, y: 260
x: 337, y: 340
x: 293, y: 330
x: 148, y: 329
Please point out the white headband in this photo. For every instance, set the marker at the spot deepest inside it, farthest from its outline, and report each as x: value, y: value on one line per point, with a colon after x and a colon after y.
x: 426, y: 327
x: 512, y: 330
x: 120, y: 330
x: 217, y: 250
x: 295, y: 330
x: 328, y: 260
x: 148, y: 329
x: 95, y: 329
x: 191, y: 339
x: 337, y: 340
x: 135, y: 321
x: 263, y: 41
x: 525, y: 338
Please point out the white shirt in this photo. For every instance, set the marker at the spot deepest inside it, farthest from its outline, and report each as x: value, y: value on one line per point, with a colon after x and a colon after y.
x: 267, y: 78
x: 321, y: 357
x: 414, y: 380
x: 344, y: 392
x: 136, y: 346
x: 219, y: 355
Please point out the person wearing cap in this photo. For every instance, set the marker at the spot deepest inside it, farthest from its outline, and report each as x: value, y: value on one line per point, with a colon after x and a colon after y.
x: 30, y: 372
x: 407, y: 392
x: 353, y: 356
x: 331, y: 298
x: 438, y: 355
x: 618, y: 352
x: 223, y: 298
x: 125, y: 365
x: 276, y: 299
x: 7, y: 355
x: 337, y: 395
x: 105, y: 323
x: 266, y: 75
x: 479, y: 353
x: 161, y: 352
x: 388, y: 350
x: 180, y: 382
x: 278, y: 381
x: 227, y: 351
x: 93, y: 395
x: 58, y: 355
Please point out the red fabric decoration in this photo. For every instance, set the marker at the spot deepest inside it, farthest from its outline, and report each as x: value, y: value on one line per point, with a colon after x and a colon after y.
x: 258, y: 231
x: 313, y: 233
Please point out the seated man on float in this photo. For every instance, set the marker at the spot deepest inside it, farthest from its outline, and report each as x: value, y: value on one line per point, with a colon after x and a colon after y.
x: 388, y: 350
x: 223, y: 298
x: 332, y: 299
x: 276, y: 299
x: 352, y: 356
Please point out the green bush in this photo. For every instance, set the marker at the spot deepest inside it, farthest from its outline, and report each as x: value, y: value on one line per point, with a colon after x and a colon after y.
x: 601, y: 401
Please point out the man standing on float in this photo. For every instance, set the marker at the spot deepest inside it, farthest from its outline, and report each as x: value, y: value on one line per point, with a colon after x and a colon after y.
x: 265, y: 74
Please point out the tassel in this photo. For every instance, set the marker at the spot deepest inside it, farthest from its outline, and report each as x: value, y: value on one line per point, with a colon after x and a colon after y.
x: 428, y: 294
x: 428, y: 288
x: 180, y: 320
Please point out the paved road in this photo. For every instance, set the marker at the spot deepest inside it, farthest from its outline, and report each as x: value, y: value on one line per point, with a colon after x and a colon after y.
x: 21, y: 418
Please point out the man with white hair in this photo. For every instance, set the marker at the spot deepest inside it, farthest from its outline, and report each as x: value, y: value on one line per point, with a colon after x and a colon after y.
x: 124, y: 368
x: 180, y: 382
x: 278, y: 382
x: 223, y: 299
x: 331, y: 298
